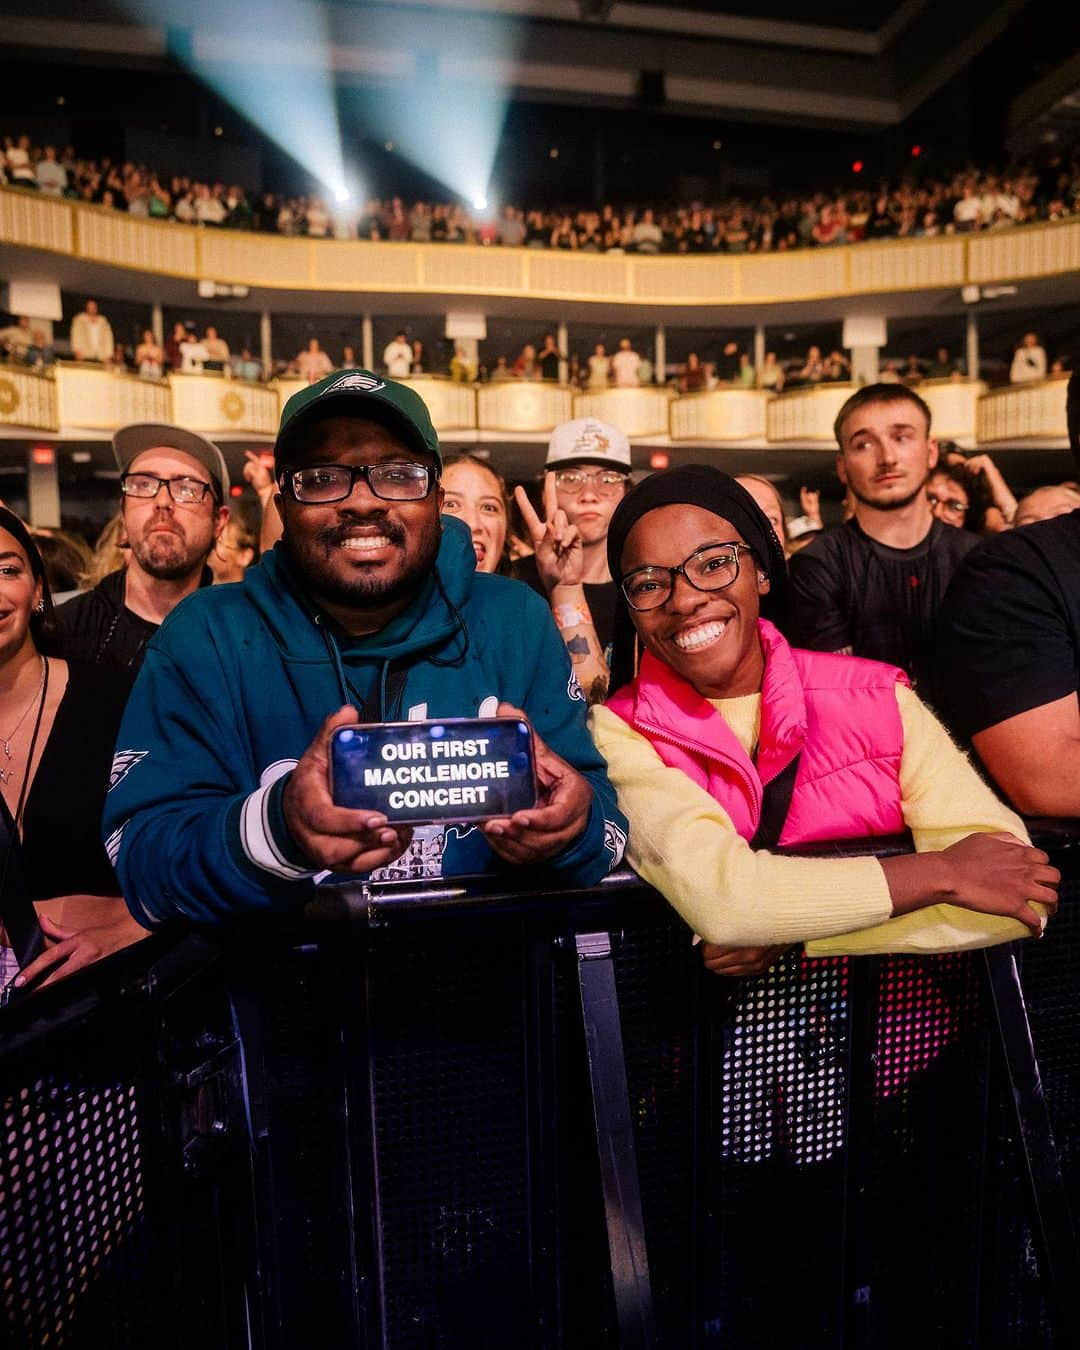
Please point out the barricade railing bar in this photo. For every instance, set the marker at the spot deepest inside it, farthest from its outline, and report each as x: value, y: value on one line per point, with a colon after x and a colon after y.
x: 473, y: 1115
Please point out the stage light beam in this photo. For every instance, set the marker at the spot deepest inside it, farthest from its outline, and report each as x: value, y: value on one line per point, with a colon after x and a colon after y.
x: 270, y: 60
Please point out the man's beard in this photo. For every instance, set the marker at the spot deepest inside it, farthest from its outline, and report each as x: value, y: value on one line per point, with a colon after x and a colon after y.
x: 165, y: 557
x: 893, y: 503
x: 366, y: 587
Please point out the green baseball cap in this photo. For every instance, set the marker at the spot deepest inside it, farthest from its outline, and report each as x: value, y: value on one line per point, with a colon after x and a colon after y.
x: 358, y: 393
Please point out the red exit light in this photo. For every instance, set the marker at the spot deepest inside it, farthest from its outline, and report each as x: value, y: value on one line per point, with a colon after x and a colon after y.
x: 43, y: 454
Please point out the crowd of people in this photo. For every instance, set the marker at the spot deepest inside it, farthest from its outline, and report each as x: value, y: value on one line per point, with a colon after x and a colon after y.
x: 971, y: 199
x: 91, y: 338
x: 702, y: 679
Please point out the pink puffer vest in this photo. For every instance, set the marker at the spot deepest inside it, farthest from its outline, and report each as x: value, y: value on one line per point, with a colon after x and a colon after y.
x: 839, y: 711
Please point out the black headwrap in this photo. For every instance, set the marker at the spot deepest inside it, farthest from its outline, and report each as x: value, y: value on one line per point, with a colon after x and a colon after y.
x: 712, y: 490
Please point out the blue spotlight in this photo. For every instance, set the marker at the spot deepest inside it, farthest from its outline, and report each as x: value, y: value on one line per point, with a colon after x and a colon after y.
x: 271, y: 61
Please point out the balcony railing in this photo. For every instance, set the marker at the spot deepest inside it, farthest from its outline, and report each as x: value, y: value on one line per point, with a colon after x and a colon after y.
x: 1023, y: 412
x: 99, y: 235
x: 77, y: 397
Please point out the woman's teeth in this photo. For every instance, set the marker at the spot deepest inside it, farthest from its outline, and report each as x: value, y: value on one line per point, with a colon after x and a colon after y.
x: 699, y: 637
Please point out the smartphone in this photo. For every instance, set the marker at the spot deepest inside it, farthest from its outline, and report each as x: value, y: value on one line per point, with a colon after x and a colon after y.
x: 419, y: 773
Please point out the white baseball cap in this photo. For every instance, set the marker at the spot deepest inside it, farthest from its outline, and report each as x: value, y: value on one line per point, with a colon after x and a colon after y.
x: 587, y: 440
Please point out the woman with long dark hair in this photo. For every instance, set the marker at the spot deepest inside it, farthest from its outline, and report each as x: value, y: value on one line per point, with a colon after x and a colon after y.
x: 58, y: 727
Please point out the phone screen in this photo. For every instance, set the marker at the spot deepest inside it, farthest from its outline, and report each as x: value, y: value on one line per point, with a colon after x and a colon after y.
x: 451, y: 770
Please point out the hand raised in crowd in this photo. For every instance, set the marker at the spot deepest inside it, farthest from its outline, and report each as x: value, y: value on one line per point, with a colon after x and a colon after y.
x: 559, y: 816
x: 258, y: 473
x: 1000, y: 491
x: 810, y: 501
x: 560, y: 554
x: 740, y: 960
x: 332, y: 836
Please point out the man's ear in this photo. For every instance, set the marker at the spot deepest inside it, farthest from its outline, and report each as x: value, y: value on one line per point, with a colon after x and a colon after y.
x: 933, y: 447
x: 841, y: 469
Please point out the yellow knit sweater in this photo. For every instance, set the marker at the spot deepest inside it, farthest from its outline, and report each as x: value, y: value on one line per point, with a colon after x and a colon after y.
x: 683, y: 843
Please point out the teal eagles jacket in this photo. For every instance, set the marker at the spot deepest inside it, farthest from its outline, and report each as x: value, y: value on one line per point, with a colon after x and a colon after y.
x: 238, y: 680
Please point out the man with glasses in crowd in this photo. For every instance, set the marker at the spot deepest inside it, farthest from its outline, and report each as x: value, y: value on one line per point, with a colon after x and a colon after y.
x: 873, y: 587
x: 587, y: 474
x: 369, y: 609
x: 174, y: 491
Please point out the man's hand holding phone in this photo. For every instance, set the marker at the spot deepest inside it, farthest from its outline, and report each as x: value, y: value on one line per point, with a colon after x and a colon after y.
x: 560, y: 815
x: 330, y: 836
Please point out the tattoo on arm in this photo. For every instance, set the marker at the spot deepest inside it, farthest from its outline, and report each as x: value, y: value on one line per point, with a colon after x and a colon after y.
x: 578, y: 647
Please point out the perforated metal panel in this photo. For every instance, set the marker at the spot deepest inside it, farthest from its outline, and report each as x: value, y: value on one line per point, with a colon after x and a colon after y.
x: 920, y: 1152
x: 71, y: 1207
x: 448, y: 1081
x: 657, y: 979
x: 773, y: 1170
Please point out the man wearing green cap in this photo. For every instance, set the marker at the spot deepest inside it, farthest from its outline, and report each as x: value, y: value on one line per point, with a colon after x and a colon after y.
x: 369, y: 609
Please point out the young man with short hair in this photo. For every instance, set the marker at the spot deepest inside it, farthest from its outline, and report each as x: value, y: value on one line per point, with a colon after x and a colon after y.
x: 873, y: 586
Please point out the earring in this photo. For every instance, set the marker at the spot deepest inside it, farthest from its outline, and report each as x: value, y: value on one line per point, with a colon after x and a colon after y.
x: 39, y: 608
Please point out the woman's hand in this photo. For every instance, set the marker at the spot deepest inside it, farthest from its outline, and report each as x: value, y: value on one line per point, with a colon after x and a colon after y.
x: 997, y: 874
x: 739, y: 960
x: 988, y: 873
x: 73, y: 948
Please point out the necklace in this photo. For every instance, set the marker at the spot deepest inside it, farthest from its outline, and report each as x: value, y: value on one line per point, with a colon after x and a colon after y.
x: 5, y: 741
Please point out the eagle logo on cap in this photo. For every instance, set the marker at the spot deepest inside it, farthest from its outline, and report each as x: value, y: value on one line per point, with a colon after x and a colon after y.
x: 370, y: 384
x: 592, y: 441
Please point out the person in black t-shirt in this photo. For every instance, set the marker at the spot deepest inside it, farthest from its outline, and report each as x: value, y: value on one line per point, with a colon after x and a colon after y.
x: 873, y: 587
x: 587, y: 475
x: 1010, y: 659
x: 549, y: 357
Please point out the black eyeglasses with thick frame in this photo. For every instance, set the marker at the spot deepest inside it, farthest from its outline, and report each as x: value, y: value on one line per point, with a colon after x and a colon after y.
x: 390, y: 481
x: 712, y: 567
x: 183, y: 489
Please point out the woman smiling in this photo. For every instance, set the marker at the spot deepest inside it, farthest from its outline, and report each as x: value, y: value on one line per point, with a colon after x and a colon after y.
x: 727, y: 741
x: 58, y: 725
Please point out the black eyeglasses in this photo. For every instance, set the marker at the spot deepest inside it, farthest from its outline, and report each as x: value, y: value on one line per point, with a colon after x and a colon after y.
x: 397, y: 481
x: 712, y: 567
x: 953, y: 504
x: 187, y: 491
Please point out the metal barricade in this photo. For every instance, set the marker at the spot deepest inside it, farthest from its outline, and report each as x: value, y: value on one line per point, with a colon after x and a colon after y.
x: 476, y: 1118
